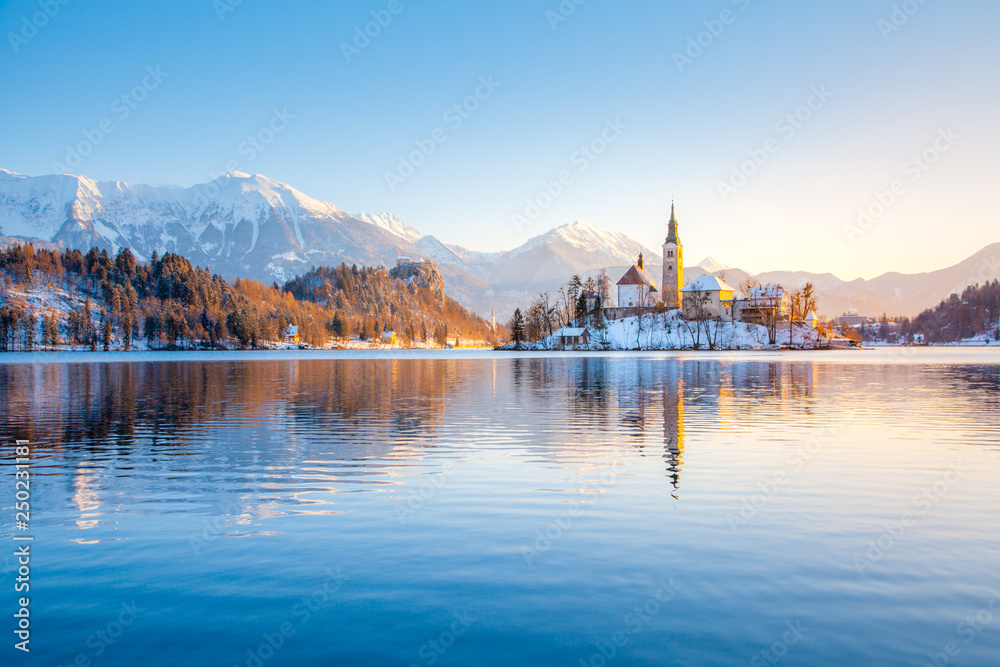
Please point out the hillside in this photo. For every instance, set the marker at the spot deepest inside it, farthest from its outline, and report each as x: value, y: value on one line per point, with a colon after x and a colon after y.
x: 973, y: 314
x: 50, y: 298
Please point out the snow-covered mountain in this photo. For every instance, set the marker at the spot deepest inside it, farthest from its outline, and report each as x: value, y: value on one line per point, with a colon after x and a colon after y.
x: 711, y: 265
x: 391, y: 223
x: 252, y: 226
x: 256, y: 227
x: 895, y: 293
x: 237, y: 224
x: 552, y: 257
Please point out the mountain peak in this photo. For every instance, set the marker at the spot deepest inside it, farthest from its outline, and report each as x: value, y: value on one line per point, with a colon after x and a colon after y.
x: 579, y: 226
x: 711, y: 265
x: 576, y: 230
x: 392, y: 224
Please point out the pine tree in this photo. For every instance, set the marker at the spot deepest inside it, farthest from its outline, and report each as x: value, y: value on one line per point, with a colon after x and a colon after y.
x: 517, y: 327
x: 106, y: 333
x: 29, y: 325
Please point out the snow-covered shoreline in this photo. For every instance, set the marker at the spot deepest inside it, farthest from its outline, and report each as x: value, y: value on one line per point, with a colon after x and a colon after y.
x: 670, y: 331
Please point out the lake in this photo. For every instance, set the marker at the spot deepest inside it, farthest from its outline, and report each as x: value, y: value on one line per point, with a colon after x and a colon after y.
x: 480, y: 508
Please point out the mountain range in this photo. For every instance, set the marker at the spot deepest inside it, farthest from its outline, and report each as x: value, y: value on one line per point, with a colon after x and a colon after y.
x: 253, y: 226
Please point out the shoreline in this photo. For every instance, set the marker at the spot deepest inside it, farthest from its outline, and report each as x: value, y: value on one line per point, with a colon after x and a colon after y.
x: 910, y: 354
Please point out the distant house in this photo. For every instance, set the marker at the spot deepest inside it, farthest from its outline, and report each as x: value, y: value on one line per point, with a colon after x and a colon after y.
x: 389, y: 337
x: 811, y: 319
x: 773, y: 297
x: 852, y: 321
x: 711, y: 293
x: 765, y: 304
x: 637, y: 289
x: 592, y: 300
x: 291, y: 334
x: 568, y: 338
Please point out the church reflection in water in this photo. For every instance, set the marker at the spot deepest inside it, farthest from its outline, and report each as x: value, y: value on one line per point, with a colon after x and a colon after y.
x: 700, y: 396
x: 356, y: 424
x: 661, y: 384
x: 673, y: 429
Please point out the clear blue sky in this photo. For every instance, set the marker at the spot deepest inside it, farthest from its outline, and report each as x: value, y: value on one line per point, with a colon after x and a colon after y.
x: 685, y: 127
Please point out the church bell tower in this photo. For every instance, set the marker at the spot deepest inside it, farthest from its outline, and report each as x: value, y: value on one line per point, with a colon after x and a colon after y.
x: 673, y: 265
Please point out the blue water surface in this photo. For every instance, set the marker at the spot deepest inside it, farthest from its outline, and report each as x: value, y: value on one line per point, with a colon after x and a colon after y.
x: 303, y: 508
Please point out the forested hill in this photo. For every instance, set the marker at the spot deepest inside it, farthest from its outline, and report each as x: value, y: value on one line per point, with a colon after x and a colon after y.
x: 50, y: 298
x: 972, y: 314
x: 371, y: 300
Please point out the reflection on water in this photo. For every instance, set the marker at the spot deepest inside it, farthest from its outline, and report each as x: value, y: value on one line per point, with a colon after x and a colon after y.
x: 357, y: 426
x: 545, y: 495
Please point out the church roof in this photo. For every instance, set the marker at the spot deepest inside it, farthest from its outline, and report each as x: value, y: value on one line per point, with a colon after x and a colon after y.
x: 637, y: 276
x: 707, y: 283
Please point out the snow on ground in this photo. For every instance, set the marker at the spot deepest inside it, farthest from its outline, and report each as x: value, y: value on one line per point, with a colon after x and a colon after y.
x: 50, y: 298
x: 43, y: 298
x: 670, y: 331
x: 982, y: 339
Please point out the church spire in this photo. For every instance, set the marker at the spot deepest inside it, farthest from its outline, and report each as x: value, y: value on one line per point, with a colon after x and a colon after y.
x: 672, y: 236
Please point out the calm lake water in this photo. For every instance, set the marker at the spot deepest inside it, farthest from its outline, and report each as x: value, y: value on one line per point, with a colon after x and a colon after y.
x: 476, y: 508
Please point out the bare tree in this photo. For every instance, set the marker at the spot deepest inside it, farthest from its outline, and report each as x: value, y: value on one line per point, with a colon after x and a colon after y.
x: 696, y: 310
x: 602, y: 337
x: 800, y: 303
x: 535, y: 321
x: 747, y: 285
x: 713, y: 326
x: 666, y: 326
x: 766, y: 309
x: 548, y: 312
x: 604, y: 286
x: 564, y: 306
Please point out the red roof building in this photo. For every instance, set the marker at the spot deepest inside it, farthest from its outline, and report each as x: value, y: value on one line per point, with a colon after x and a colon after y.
x: 637, y: 287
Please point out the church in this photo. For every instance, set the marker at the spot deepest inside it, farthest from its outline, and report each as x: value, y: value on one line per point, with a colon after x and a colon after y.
x: 705, y: 297
x: 673, y: 265
x: 637, y: 288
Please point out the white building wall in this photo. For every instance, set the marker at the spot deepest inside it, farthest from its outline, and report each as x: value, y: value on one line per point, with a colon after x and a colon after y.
x: 634, y: 295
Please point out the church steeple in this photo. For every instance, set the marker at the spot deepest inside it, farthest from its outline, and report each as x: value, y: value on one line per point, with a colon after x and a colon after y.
x: 672, y: 236
x: 673, y: 264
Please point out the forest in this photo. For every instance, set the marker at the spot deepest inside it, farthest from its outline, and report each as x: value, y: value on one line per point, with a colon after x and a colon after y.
x: 50, y: 298
x: 959, y: 317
